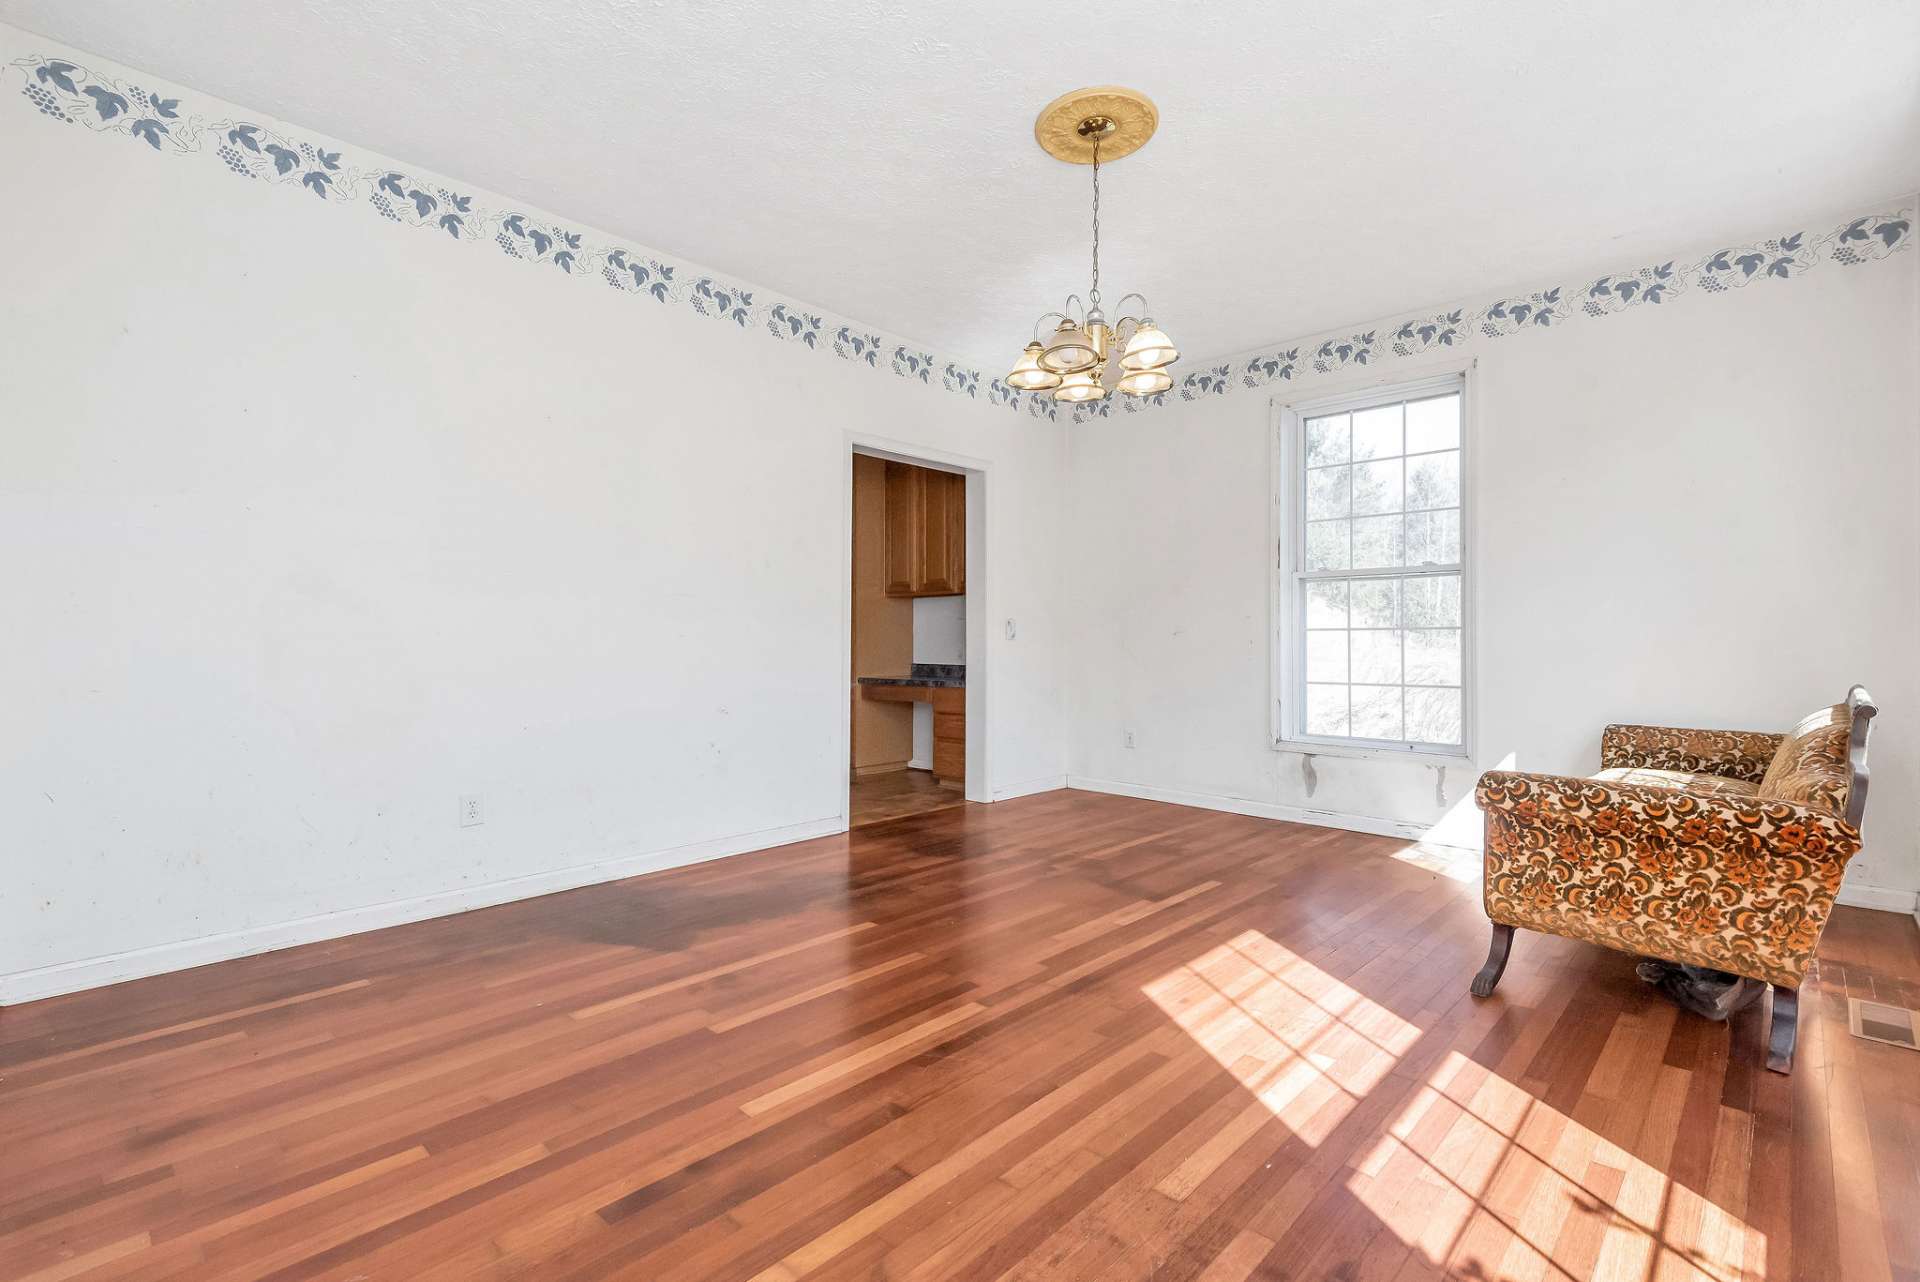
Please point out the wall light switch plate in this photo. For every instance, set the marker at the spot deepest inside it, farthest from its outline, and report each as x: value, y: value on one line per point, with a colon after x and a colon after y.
x: 470, y: 812
x: 1126, y: 738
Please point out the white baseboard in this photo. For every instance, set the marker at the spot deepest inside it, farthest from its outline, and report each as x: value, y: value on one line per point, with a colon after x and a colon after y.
x: 94, y: 972
x: 1879, y: 897
x: 1026, y: 788
x: 1258, y: 809
x: 1853, y: 896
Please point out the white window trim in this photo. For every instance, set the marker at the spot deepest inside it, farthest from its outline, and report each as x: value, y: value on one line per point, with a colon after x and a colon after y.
x: 1284, y: 643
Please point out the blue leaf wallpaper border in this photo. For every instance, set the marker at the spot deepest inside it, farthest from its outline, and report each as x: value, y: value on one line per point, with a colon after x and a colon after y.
x: 1865, y: 239
x: 63, y: 90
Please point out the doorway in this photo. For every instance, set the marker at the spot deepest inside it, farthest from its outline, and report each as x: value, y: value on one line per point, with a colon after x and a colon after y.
x: 909, y: 636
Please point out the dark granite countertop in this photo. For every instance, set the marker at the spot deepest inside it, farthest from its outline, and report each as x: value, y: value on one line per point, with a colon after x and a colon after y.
x: 949, y: 676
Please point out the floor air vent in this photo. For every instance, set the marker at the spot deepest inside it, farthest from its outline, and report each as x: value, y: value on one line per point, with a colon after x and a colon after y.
x: 1879, y: 1022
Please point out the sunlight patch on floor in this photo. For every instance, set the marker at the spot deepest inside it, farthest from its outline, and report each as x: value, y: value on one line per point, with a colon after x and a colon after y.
x: 1474, y: 1157
x: 1306, y: 1047
x: 1455, y: 863
x: 1473, y: 1167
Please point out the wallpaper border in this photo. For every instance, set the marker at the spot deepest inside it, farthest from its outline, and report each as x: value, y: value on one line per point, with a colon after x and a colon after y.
x: 1856, y: 241
x: 67, y: 92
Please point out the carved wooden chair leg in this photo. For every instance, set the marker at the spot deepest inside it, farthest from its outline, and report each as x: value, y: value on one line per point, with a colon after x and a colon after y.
x: 1496, y: 961
x: 1784, y: 1030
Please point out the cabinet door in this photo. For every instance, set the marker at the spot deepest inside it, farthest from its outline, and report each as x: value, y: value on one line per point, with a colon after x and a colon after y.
x: 903, y: 529
x: 957, y: 533
x: 941, y: 533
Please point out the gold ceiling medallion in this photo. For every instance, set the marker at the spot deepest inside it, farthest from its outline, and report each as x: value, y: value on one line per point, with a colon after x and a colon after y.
x: 1130, y: 118
x: 1086, y: 127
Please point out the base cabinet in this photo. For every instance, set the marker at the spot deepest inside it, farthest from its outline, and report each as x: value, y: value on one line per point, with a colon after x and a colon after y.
x: 949, y: 723
x: 950, y: 736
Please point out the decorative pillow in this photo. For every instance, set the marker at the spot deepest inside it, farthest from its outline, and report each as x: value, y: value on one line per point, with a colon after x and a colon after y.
x: 1810, y: 768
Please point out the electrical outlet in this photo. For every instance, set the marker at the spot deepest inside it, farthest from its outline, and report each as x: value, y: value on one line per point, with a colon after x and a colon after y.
x: 1126, y: 738
x: 470, y: 812
x: 1009, y: 629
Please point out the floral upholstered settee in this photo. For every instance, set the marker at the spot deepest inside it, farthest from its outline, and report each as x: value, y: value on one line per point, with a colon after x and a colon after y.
x: 1721, y: 849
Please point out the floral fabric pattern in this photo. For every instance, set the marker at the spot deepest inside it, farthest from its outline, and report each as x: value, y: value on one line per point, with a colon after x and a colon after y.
x: 1699, y: 785
x: 1737, y: 884
x: 1811, y: 767
x: 1734, y: 754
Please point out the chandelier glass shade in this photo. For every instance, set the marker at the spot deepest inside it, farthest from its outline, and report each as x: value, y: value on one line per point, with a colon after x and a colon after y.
x: 1145, y: 382
x: 1075, y: 388
x: 1085, y: 357
x: 1069, y: 351
x: 1029, y: 375
x: 1148, y: 349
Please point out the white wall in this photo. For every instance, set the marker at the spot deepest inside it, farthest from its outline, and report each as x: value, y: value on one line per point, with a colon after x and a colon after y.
x: 316, y: 524
x: 1698, y: 514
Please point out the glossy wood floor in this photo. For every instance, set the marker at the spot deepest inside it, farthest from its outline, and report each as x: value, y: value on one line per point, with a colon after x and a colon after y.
x: 898, y: 793
x: 1066, y: 1037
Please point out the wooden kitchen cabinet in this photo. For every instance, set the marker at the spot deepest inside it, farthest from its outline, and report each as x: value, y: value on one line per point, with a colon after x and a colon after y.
x: 926, y: 531
x: 950, y: 736
x: 904, y: 493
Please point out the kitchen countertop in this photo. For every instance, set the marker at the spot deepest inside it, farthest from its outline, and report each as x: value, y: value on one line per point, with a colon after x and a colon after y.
x: 943, y: 676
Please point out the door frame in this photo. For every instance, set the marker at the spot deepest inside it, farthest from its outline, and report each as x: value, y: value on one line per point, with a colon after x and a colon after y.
x: 977, y: 471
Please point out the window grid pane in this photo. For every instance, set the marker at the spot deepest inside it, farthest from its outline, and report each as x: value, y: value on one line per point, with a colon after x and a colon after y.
x: 1378, y: 675
x: 1390, y: 475
x: 1389, y: 509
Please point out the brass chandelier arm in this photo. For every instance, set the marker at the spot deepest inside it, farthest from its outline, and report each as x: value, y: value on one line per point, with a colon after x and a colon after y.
x: 1146, y: 309
x: 1127, y: 322
x: 1047, y: 316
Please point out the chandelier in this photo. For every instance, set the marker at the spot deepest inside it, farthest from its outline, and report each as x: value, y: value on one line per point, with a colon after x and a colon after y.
x: 1075, y: 359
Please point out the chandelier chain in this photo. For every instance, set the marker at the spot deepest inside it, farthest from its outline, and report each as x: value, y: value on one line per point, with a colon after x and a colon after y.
x: 1095, y: 292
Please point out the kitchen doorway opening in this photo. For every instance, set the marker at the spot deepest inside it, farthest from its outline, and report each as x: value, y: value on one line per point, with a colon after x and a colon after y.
x: 915, y: 634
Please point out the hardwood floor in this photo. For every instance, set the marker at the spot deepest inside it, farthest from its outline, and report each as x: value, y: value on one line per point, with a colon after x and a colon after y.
x: 1065, y: 1037
x: 898, y: 793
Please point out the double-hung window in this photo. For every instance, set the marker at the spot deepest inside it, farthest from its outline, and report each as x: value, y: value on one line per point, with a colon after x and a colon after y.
x: 1373, y: 607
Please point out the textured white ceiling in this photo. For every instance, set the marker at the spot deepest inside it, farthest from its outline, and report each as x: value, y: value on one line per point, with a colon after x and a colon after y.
x: 1316, y: 165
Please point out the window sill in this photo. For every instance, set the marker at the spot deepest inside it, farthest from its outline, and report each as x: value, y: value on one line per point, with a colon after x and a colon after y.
x: 1412, y: 756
